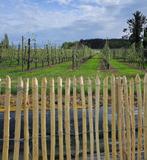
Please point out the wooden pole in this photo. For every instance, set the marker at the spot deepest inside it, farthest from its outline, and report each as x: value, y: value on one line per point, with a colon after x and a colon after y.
x: 120, y: 106
x: 97, y: 97
x: 90, y: 119
x: 84, y: 114
x: 35, y: 118
x: 6, y: 119
x: 105, y: 118
x: 60, y: 120
x: 67, y: 119
x: 76, y: 126
x: 43, y: 118
x: 26, y: 119
x: 113, y: 103
x: 145, y: 117
x: 133, y: 138
x: 123, y: 121
x: 18, y: 119
x: 127, y: 111
x: 139, y: 104
x: 52, y: 120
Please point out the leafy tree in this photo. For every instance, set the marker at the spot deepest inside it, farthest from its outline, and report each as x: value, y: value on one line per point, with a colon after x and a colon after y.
x: 5, y: 41
x: 145, y: 38
x: 140, y: 57
x: 136, y: 27
x: 106, y: 55
x: 132, y: 54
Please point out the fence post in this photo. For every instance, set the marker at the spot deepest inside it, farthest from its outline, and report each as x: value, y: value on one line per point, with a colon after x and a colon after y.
x: 120, y: 106
x: 90, y: 119
x: 26, y: 122
x: 139, y: 104
x: 84, y: 127
x: 43, y: 118
x: 145, y: 117
x: 60, y: 120
x: 131, y: 95
x: 105, y: 118
x: 6, y: 119
x: 67, y: 119
x: 123, y: 121
x: 127, y: 111
x: 76, y: 126
x: 113, y: 103
x: 97, y: 102
x: 52, y: 120
x: 18, y: 119
x: 35, y: 118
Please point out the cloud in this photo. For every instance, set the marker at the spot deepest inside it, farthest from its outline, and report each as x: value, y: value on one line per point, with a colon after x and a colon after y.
x: 60, y: 1
x: 61, y: 20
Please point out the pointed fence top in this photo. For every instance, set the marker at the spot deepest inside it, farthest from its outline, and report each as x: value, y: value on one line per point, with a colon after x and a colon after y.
x: 44, y: 82
x: 137, y: 78
x: 35, y: 82
x: 97, y: 80
x: 60, y: 81
x: 81, y: 81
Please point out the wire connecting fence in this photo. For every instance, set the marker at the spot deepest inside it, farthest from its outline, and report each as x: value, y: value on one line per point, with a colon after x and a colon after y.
x: 107, y: 122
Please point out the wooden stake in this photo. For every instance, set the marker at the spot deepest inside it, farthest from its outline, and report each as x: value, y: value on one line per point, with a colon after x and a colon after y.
x: 90, y: 119
x: 76, y: 118
x: 113, y: 103
x: 97, y: 97
x: 131, y: 95
x: 18, y: 119
x: 52, y: 120
x: 43, y: 118
x: 127, y: 111
x: 139, y: 104
x: 60, y: 119
x: 105, y: 118
x: 67, y: 119
x: 6, y: 119
x: 84, y: 127
x: 26, y: 119
x: 145, y: 117
x: 120, y: 106
x: 35, y: 118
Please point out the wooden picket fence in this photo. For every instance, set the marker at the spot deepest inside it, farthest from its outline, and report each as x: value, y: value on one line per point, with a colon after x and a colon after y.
x: 125, y: 139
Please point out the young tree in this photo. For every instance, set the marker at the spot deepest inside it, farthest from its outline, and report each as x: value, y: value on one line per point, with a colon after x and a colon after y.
x: 22, y: 52
x: 29, y: 54
x: 136, y: 27
x: 18, y: 55
x: 106, y: 55
x: 5, y: 41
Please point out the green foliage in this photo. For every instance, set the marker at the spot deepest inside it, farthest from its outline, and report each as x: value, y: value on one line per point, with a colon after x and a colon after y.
x: 80, y: 54
x: 136, y: 27
x: 145, y: 38
x: 106, y: 55
x: 131, y: 54
x: 106, y: 52
x: 5, y: 42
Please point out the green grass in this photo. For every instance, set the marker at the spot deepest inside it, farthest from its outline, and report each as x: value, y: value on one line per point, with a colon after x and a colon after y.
x: 88, y: 69
x: 123, y: 69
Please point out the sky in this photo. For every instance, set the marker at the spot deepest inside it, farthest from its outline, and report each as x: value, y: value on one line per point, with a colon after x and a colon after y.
x: 57, y: 21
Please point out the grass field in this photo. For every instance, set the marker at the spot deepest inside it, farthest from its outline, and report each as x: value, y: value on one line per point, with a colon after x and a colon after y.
x: 91, y: 68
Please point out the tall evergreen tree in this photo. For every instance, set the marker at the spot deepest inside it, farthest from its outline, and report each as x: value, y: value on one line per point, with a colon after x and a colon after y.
x: 136, y: 28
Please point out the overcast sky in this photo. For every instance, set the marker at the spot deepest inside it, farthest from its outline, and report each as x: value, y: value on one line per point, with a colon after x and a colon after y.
x: 66, y: 20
